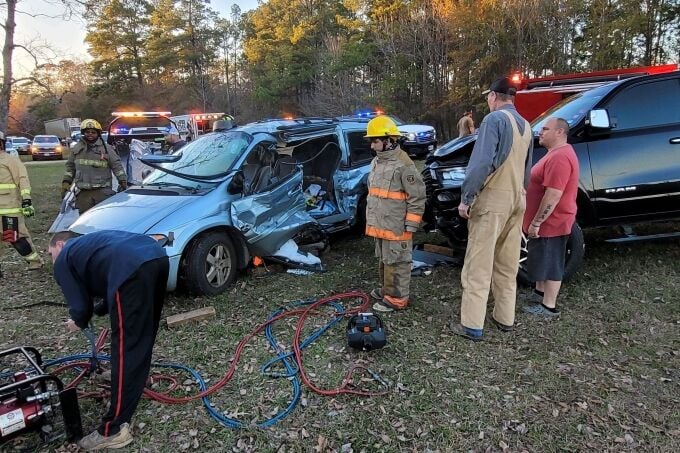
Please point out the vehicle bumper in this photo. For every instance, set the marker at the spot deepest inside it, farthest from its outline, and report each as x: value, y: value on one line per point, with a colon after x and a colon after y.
x: 419, y: 149
x: 173, y: 272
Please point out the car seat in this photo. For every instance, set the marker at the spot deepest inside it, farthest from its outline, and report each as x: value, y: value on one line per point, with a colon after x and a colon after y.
x: 257, y: 175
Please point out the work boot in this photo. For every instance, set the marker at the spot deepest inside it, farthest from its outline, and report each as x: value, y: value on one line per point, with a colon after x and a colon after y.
x: 95, y: 441
x: 502, y: 327
x: 377, y: 294
x: 465, y: 332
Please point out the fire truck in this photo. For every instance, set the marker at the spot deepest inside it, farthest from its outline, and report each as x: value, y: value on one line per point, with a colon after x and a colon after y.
x: 192, y: 125
x: 536, y: 95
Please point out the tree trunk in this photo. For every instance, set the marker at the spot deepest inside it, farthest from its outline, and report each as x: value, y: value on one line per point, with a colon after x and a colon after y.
x: 7, y: 50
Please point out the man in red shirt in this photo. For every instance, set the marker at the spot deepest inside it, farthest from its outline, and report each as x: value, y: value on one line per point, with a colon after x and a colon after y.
x: 550, y: 214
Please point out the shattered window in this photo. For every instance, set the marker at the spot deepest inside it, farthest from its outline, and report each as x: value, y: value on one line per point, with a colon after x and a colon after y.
x: 359, y: 148
x: 209, y: 155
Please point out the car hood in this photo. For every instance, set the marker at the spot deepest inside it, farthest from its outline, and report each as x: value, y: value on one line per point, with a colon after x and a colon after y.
x: 130, y: 212
x: 414, y: 128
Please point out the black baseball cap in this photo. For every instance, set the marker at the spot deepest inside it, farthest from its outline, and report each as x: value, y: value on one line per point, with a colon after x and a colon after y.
x: 502, y: 85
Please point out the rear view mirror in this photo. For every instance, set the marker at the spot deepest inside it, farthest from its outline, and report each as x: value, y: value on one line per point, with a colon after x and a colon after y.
x: 236, y: 184
x: 599, y: 119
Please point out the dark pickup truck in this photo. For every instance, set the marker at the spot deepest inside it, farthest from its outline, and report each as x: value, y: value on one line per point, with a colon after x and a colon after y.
x: 627, y: 138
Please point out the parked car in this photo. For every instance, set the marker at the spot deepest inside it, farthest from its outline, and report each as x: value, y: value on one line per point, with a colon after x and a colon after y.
x: 626, y: 135
x: 46, y: 147
x: 418, y: 139
x: 263, y: 189
x: 21, y: 144
x: 149, y: 127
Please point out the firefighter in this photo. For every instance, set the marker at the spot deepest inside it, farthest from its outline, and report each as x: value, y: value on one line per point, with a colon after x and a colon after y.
x: 130, y: 272
x: 90, y: 165
x: 15, y: 204
x: 394, y: 210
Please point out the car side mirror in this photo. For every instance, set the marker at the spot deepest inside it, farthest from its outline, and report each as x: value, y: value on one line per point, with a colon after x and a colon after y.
x: 235, y: 186
x: 599, y: 119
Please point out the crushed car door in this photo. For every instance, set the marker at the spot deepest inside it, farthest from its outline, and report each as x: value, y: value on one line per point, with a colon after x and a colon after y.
x: 269, y: 218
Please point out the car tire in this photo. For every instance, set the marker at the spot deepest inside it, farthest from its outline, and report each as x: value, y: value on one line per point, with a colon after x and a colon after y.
x: 211, y: 264
x: 573, y: 259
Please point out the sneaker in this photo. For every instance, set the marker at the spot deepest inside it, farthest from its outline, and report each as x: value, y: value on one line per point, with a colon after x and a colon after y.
x: 383, y: 306
x: 95, y: 441
x: 377, y: 294
x: 464, y: 332
x: 541, y: 310
x: 35, y: 265
x: 502, y: 327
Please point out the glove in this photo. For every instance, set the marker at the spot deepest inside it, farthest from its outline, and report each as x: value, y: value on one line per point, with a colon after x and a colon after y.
x: 27, y: 208
x: 122, y: 185
x: 65, y: 186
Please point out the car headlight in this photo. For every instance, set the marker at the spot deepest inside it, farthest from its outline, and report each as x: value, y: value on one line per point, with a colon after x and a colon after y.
x: 411, y: 136
x: 58, y: 148
x: 452, y: 176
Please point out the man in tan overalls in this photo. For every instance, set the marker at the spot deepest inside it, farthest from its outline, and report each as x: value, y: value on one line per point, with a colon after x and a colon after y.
x: 493, y: 201
x: 15, y: 204
x: 90, y: 165
x: 394, y: 210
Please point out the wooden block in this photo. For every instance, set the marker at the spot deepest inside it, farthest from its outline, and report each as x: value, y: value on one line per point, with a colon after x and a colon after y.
x: 446, y: 251
x: 189, y: 316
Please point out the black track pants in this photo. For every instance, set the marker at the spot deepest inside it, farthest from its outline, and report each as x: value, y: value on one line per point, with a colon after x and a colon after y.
x: 135, y: 315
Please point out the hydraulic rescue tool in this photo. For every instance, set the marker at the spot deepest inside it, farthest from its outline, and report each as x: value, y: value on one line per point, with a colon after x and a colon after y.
x: 366, y: 331
x: 31, y: 400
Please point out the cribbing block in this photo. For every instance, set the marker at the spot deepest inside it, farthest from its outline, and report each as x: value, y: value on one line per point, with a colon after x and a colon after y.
x: 193, y: 315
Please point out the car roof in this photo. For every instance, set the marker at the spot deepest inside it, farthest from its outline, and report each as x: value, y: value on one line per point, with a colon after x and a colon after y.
x: 45, y: 136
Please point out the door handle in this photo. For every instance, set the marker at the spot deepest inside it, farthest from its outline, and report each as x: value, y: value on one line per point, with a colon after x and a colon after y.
x: 675, y: 141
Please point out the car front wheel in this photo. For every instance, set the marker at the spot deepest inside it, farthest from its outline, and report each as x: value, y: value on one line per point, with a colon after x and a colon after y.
x: 211, y: 264
x: 573, y: 257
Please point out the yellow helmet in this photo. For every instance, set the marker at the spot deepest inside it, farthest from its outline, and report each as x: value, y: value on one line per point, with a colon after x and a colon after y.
x: 90, y: 124
x: 382, y: 126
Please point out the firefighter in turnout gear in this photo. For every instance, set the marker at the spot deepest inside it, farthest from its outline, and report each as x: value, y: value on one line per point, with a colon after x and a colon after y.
x: 394, y: 210
x: 90, y: 165
x: 15, y: 204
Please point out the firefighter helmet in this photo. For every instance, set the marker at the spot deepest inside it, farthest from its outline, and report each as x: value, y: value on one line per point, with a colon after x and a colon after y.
x: 90, y: 124
x: 382, y: 126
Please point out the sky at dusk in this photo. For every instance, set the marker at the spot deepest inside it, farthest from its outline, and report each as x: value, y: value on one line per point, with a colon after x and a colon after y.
x: 41, y: 25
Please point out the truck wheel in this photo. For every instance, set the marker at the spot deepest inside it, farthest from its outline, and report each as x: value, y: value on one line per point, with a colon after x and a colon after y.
x: 573, y: 259
x: 211, y: 264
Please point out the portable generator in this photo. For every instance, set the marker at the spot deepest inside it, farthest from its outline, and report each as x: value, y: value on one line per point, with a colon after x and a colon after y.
x: 32, y: 400
x: 366, y: 331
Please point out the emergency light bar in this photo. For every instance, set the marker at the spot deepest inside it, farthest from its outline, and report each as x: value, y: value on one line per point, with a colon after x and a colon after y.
x: 140, y: 114
x: 208, y: 116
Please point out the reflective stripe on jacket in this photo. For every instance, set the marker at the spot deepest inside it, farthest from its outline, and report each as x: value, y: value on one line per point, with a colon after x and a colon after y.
x: 14, y: 184
x: 396, y: 197
x: 91, y: 166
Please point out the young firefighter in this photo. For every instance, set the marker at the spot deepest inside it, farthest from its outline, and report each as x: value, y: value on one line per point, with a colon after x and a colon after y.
x: 15, y: 204
x: 394, y: 210
x: 130, y: 272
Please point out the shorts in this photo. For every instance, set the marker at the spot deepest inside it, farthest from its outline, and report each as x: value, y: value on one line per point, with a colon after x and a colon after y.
x: 546, y: 258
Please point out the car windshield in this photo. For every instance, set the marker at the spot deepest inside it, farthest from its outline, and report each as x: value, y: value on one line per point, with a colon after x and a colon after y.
x: 19, y: 141
x: 50, y: 139
x: 208, y: 156
x: 573, y: 108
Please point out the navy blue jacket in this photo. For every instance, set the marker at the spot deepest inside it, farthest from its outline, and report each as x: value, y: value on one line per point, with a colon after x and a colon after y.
x: 97, y: 265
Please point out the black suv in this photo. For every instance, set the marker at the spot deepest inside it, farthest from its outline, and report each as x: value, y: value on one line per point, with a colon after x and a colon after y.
x: 627, y: 138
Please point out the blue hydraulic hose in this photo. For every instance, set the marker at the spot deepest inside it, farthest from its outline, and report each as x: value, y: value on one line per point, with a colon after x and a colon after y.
x: 291, y: 370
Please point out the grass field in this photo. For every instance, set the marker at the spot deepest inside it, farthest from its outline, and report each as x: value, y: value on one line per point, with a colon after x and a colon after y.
x: 605, y: 377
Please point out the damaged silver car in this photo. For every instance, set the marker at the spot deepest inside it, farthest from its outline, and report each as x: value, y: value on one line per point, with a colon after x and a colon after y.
x: 272, y: 189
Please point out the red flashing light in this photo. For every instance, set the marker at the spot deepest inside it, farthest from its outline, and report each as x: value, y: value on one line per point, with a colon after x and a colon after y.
x: 516, y: 78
